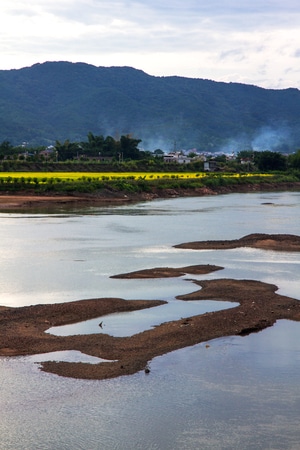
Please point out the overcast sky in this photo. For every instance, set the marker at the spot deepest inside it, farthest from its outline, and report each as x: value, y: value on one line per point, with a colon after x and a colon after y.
x: 248, y: 41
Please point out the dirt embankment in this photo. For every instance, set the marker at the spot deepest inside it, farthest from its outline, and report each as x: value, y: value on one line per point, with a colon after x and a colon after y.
x: 24, y: 200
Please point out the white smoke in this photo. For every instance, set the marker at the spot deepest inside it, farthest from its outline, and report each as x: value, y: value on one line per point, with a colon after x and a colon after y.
x: 154, y: 143
x: 271, y: 138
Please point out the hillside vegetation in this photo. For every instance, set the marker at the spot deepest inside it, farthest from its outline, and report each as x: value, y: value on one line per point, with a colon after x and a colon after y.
x: 62, y: 100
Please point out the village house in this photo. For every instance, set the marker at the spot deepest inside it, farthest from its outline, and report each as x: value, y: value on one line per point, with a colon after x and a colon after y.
x: 211, y: 166
x: 176, y: 157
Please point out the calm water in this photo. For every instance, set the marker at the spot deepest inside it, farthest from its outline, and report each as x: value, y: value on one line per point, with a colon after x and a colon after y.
x: 127, y: 324
x: 240, y: 393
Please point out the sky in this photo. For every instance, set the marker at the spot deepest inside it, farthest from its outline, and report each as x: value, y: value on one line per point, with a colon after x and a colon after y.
x: 251, y: 41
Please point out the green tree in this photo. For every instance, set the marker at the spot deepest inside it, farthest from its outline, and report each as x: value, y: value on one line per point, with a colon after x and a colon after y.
x: 268, y: 160
x: 94, y: 146
x: 6, y: 148
x: 67, y: 150
x: 111, y: 147
x: 294, y: 160
x: 245, y: 154
x: 129, y: 147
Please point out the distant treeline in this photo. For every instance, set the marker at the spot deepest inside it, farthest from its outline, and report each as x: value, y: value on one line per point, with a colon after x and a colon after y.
x: 124, y: 155
x: 99, y: 147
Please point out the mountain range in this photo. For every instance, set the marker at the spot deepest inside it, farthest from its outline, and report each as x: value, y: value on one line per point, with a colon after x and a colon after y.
x: 62, y: 100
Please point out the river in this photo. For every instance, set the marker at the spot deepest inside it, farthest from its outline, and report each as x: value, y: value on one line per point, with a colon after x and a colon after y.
x: 238, y: 393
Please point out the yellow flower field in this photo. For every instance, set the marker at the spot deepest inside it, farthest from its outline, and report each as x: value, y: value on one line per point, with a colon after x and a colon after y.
x: 69, y: 176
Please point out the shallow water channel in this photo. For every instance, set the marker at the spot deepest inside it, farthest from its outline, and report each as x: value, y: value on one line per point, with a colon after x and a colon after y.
x: 130, y: 323
x: 229, y: 393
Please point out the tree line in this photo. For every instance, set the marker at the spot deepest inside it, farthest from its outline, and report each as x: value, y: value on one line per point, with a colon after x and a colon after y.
x: 96, y: 146
x: 124, y: 151
x: 269, y: 161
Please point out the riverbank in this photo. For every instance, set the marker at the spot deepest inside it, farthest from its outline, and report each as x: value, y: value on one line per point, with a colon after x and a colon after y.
x: 26, y: 199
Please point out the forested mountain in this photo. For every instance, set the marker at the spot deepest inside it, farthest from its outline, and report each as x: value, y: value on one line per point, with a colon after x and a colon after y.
x: 61, y: 100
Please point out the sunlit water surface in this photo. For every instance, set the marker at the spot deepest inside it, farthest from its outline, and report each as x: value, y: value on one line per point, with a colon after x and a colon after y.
x: 238, y: 393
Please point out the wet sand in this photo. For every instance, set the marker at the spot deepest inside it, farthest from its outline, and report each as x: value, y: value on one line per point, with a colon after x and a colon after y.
x: 23, y: 329
x: 24, y: 202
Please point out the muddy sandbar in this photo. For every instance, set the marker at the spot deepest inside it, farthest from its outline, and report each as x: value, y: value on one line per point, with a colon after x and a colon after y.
x: 278, y: 242
x: 23, y: 329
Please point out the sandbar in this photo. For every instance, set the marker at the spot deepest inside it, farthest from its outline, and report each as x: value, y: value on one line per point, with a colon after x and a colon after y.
x: 23, y: 329
x: 169, y: 272
x: 278, y: 242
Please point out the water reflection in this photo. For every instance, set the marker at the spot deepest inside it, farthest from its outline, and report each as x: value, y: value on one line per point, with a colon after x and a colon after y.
x: 219, y: 397
x: 55, y: 258
x: 130, y: 323
x: 240, y: 393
